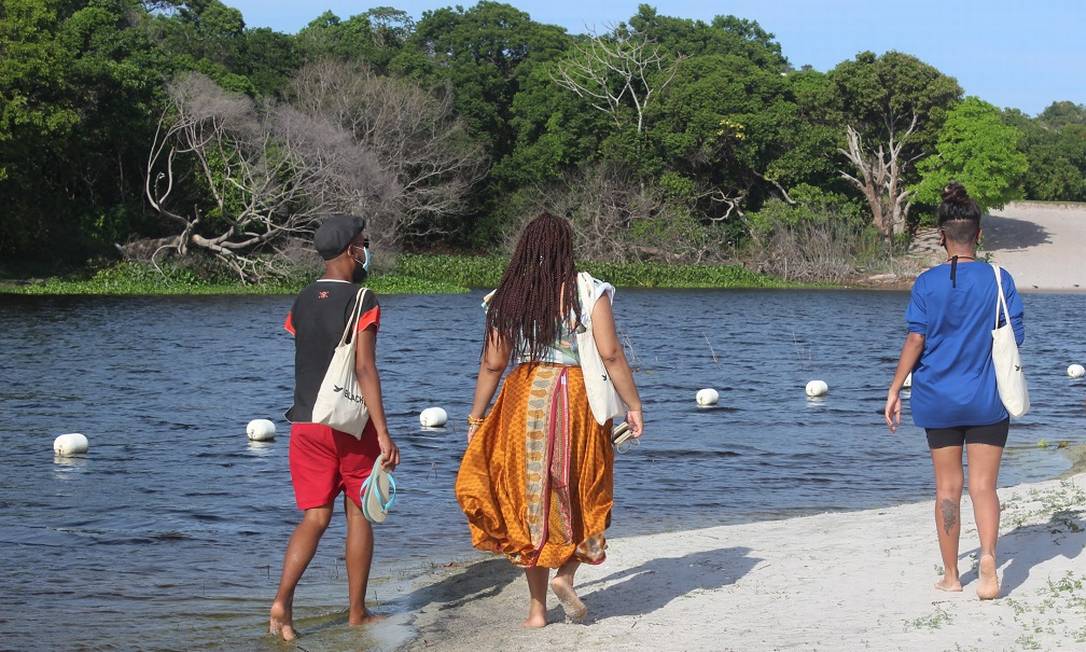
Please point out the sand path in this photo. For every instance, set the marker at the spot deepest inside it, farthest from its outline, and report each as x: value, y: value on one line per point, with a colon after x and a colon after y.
x: 1042, y: 245
x: 835, y: 581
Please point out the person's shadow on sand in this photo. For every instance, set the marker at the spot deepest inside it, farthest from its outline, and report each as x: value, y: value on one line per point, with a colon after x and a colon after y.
x: 483, y: 579
x: 1030, y: 545
x: 1012, y: 233
x: 657, y: 582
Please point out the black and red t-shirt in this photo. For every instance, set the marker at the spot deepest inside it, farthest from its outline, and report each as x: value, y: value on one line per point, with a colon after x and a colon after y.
x: 316, y: 320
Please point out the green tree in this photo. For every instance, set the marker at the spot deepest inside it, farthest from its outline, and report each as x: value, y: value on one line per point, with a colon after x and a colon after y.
x: 979, y: 150
x: 879, y: 95
x: 76, y: 94
x: 484, y: 56
x: 207, y: 36
x: 1061, y: 114
x: 724, y: 35
x: 727, y: 129
x: 269, y: 58
x: 1057, y: 154
x: 376, y: 37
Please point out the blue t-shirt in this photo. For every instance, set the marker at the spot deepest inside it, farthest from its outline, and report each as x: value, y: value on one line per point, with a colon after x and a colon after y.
x: 954, y: 381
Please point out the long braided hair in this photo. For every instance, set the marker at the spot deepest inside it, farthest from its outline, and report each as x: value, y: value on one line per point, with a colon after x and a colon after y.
x: 538, y: 289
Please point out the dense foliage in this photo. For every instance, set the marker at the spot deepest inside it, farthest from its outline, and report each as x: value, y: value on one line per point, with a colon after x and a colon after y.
x: 978, y: 150
x: 413, y: 274
x: 665, y: 139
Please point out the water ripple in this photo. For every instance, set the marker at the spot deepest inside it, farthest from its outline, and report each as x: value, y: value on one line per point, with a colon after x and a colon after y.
x: 174, y: 517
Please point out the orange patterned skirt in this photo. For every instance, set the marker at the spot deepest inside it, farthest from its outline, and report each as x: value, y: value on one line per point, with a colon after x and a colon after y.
x: 537, y: 479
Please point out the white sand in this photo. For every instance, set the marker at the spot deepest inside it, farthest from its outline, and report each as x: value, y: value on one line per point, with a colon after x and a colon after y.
x: 835, y: 581
x: 1042, y: 245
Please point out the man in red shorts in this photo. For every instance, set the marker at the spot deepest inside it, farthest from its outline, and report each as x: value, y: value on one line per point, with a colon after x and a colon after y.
x: 325, y: 462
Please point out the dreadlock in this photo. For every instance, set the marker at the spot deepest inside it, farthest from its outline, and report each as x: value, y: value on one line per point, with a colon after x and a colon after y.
x: 538, y: 289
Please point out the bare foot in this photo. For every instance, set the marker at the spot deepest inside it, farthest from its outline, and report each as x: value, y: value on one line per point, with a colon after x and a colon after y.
x: 571, y: 603
x: 951, y: 585
x: 366, y: 618
x: 988, y: 587
x: 535, y: 622
x: 281, y: 623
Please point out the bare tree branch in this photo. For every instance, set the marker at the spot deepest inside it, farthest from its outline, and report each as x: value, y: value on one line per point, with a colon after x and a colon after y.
x: 881, y: 177
x: 784, y: 193
x: 351, y: 142
x: 617, y: 70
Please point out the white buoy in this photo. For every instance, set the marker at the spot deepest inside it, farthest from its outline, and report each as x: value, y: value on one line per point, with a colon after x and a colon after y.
x: 908, y: 381
x: 707, y: 396
x: 71, y: 444
x: 817, y: 388
x: 260, y: 430
x: 1076, y: 371
x: 433, y: 417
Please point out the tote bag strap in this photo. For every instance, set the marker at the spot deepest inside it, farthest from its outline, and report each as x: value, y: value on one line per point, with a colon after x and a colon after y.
x: 1001, y: 300
x: 584, y: 292
x: 356, y: 313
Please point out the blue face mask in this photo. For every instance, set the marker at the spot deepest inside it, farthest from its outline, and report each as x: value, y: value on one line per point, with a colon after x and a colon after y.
x: 365, y: 262
x: 362, y: 267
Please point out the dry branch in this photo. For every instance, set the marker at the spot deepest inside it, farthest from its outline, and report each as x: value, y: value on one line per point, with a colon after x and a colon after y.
x: 880, y: 178
x: 617, y: 69
x: 352, y: 142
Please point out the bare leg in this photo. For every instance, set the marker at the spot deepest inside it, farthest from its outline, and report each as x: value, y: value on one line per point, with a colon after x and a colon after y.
x: 947, y: 462
x: 562, y: 585
x: 359, y: 557
x: 300, y: 551
x: 983, y: 476
x: 537, y: 587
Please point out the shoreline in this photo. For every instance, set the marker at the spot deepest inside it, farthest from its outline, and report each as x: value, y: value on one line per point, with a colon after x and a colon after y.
x: 1039, y: 242
x: 670, y: 590
x: 412, y: 274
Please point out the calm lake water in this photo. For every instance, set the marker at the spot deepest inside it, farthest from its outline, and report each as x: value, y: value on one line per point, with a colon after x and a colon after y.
x: 169, y: 533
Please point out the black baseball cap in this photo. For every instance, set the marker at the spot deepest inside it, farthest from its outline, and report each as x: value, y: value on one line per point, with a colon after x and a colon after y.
x: 335, y: 233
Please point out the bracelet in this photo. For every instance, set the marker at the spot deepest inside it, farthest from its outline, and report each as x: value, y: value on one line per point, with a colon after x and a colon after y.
x: 475, y: 421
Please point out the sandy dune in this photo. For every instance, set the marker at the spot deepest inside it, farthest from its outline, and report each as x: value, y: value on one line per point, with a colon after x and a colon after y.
x: 837, y: 581
x: 1042, y: 245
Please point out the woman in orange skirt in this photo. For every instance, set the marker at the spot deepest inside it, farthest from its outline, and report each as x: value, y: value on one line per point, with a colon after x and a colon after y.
x: 536, y: 481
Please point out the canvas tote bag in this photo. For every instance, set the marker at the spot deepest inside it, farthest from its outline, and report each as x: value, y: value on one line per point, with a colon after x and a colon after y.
x: 602, y: 397
x: 339, y: 401
x: 1010, y: 379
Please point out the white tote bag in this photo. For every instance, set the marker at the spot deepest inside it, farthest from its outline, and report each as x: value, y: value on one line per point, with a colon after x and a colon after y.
x: 1010, y: 379
x: 339, y: 401
x: 602, y: 397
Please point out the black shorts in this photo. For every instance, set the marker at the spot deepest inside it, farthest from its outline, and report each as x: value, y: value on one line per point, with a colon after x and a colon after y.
x: 995, y: 435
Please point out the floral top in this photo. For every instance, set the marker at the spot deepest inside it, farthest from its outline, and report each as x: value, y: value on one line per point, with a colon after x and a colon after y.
x: 562, y: 351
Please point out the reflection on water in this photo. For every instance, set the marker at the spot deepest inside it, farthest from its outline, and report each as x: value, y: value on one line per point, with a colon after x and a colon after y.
x: 169, y: 532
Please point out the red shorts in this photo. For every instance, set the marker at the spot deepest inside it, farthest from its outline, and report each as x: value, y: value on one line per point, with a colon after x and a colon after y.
x: 324, y: 462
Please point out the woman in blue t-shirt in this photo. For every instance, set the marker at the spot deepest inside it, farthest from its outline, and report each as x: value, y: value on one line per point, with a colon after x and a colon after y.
x: 954, y: 398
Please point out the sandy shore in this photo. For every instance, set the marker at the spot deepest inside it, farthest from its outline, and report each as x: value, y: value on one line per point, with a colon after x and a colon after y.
x: 1041, y: 244
x: 835, y: 581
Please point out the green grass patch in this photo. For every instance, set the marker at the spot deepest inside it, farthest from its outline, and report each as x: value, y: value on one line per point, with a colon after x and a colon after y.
x: 132, y: 279
x: 414, y: 274
x: 486, y: 272
x: 935, y: 620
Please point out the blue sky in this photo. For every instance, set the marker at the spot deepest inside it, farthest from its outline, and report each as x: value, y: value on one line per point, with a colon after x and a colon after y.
x: 1017, y: 53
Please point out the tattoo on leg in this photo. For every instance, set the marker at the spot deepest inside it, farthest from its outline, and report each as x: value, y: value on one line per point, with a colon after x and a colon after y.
x: 950, y: 514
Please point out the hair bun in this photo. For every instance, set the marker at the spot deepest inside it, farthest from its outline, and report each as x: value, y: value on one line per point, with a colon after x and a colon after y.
x: 955, y: 193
